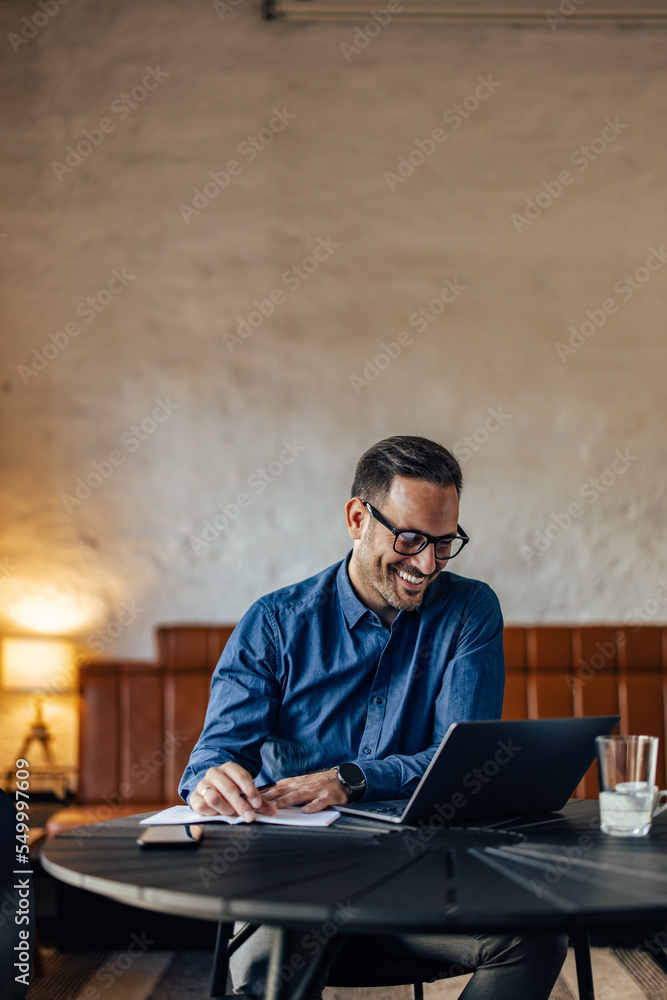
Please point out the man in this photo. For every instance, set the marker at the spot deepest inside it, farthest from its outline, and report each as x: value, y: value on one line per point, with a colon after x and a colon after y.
x: 342, y: 687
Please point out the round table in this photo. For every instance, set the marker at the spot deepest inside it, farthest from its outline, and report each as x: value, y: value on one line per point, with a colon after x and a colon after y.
x: 552, y: 872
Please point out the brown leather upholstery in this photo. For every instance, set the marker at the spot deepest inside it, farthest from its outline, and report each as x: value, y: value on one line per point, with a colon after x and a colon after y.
x: 556, y: 670
x: 139, y: 721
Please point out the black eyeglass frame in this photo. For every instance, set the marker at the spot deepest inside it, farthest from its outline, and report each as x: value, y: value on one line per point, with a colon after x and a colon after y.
x: 461, y: 535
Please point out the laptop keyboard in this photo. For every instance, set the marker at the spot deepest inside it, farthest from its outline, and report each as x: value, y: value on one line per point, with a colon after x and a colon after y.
x: 386, y: 808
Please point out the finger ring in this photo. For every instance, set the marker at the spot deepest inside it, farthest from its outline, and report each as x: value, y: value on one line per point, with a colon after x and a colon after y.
x: 205, y: 790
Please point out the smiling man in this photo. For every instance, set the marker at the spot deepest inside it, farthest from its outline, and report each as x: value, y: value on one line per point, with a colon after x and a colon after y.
x: 373, y: 571
x: 341, y: 688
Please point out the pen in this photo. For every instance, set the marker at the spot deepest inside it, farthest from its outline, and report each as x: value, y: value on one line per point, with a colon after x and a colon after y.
x: 260, y: 788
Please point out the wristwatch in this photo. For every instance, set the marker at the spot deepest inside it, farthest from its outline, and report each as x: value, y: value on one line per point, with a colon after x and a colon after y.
x: 352, y: 779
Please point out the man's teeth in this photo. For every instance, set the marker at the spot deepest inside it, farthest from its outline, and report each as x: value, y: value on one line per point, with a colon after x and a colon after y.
x: 406, y: 576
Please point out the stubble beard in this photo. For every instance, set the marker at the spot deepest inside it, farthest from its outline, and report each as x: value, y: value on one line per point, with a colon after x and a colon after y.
x: 381, y: 579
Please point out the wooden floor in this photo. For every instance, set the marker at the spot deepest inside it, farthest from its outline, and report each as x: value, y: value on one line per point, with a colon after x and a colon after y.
x: 620, y: 974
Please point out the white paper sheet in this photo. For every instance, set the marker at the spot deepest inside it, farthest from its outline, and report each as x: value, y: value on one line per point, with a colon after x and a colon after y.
x: 290, y: 816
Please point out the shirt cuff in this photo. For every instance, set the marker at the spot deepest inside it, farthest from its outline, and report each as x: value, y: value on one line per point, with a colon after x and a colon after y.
x: 383, y: 779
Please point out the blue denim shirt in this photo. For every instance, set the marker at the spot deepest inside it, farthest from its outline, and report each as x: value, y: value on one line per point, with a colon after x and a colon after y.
x: 311, y: 678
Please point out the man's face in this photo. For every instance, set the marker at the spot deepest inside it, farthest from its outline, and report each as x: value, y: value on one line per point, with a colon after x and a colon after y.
x: 384, y: 578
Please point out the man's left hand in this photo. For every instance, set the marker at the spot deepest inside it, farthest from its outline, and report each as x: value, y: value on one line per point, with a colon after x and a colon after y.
x: 313, y: 792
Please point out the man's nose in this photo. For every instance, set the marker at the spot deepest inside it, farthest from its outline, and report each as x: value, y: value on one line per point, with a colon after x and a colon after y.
x: 425, y: 560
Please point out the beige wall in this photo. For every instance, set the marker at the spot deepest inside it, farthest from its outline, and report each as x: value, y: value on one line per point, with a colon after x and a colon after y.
x: 123, y: 559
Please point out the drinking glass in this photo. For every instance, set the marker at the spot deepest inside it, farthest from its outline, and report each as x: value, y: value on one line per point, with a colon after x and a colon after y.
x: 629, y: 798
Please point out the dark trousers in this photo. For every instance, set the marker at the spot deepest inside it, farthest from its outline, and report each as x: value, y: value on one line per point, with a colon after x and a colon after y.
x: 504, y: 967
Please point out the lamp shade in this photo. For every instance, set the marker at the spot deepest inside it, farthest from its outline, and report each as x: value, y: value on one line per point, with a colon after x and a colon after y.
x: 32, y: 664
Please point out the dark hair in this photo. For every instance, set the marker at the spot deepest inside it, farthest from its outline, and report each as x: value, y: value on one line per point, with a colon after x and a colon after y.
x: 409, y: 456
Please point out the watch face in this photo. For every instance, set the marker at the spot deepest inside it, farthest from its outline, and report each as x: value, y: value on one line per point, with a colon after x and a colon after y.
x: 352, y: 775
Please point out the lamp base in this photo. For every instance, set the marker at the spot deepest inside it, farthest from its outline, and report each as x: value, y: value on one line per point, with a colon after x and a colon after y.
x: 39, y: 733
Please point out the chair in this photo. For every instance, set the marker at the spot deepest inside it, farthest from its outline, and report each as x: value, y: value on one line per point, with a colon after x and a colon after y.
x: 358, y: 975
x: 355, y: 974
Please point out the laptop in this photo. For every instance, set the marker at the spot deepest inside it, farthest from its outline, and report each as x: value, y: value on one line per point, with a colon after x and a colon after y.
x: 496, y: 769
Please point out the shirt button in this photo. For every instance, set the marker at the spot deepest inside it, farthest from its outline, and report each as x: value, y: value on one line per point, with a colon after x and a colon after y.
x: 378, y: 701
x: 367, y: 749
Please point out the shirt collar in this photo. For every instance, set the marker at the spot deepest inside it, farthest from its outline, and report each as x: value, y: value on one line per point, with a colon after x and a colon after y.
x: 353, y: 608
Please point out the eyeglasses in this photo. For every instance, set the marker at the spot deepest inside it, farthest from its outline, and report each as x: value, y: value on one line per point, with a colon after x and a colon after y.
x: 409, y: 543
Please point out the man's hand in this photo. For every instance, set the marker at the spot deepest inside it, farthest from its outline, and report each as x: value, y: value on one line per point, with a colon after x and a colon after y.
x: 312, y: 791
x: 229, y: 790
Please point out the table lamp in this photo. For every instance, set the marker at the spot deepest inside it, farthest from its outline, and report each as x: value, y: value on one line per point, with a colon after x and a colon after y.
x: 39, y: 667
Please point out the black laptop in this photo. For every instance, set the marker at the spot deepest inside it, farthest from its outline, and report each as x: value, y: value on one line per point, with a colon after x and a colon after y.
x: 496, y: 769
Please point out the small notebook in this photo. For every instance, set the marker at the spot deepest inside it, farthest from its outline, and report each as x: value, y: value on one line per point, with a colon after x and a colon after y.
x: 290, y: 816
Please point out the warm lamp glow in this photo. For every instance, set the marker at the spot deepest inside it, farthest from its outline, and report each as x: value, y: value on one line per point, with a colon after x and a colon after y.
x: 35, y: 664
x: 48, y: 612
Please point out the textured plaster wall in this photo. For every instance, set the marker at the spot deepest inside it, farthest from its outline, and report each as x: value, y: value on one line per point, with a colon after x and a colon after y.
x: 166, y: 351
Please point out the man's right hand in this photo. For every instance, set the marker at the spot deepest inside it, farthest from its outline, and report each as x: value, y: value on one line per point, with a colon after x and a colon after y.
x: 228, y: 790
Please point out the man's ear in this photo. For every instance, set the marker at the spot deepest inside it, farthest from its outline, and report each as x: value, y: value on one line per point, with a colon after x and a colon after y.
x: 355, y: 513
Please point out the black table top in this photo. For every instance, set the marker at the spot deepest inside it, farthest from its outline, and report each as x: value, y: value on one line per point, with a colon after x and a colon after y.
x: 556, y: 871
